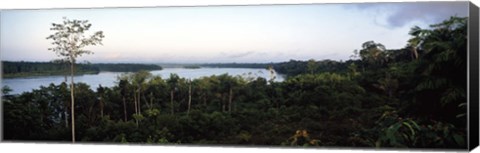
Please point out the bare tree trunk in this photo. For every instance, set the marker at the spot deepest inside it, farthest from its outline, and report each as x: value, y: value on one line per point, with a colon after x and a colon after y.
x: 73, y: 100
x: 147, y: 102
x: 230, y: 98
x: 171, y: 101
x: 65, y: 114
x: 139, y: 100
x: 223, y: 103
x: 66, y: 118
x: 138, y: 103
x: 189, y: 98
x: 135, y: 101
x: 135, y: 104
x: 415, y: 53
x: 91, y: 115
x: 101, y: 111
x: 124, y: 108
x: 102, y: 105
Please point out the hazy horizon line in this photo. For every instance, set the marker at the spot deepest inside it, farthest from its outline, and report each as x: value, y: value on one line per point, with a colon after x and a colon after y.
x: 140, y: 62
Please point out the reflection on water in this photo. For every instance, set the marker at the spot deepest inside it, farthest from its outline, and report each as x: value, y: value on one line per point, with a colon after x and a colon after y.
x: 108, y: 79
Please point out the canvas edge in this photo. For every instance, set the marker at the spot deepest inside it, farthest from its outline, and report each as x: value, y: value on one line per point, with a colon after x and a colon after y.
x: 473, y: 77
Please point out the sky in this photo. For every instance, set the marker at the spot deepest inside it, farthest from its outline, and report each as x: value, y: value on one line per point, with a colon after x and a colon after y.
x: 224, y: 34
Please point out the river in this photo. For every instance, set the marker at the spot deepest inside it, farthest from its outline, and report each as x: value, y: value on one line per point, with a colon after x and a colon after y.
x: 109, y: 79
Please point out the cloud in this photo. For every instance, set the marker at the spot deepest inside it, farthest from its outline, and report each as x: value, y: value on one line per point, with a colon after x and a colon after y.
x: 400, y: 14
x: 113, y: 56
x: 236, y: 55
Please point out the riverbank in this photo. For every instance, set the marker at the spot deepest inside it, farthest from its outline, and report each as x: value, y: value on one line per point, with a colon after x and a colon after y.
x: 109, y: 79
x: 38, y: 74
x: 13, y: 69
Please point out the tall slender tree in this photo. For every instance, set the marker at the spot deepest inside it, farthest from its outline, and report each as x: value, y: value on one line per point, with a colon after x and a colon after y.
x: 373, y: 53
x: 101, y: 95
x: 312, y: 66
x: 123, y: 91
x: 69, y: 41
x: 189, y: 95
x: 138, y: 80
x: 173, y: 83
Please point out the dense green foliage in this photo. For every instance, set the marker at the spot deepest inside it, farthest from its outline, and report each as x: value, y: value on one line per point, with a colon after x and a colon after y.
x: 21, y: 69
x: 412, y: 97
x: 295, y: 67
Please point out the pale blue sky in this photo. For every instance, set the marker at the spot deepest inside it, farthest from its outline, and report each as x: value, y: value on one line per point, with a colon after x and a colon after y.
x: 267, y: 33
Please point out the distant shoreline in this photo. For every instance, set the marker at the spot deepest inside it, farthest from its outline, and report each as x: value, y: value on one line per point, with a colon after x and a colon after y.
x: 22, y: 75
x: 26, y: 69
x: 289, y: 68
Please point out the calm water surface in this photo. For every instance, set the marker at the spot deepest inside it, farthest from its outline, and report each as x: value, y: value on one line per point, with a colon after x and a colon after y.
x: 108, y: 79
